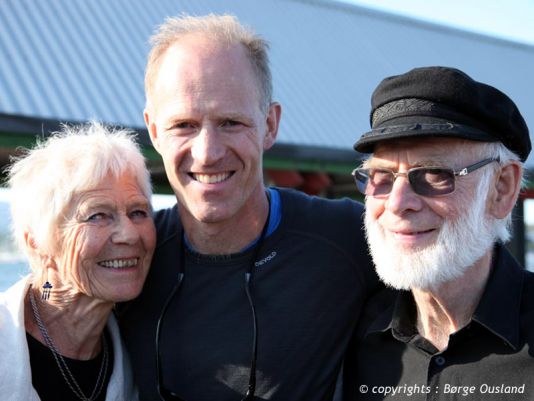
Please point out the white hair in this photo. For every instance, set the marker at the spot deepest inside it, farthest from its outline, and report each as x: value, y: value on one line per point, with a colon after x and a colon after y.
x: 482, y: 150
x: 460, y: 242
x: 44, y: 179
x: 497, y: 150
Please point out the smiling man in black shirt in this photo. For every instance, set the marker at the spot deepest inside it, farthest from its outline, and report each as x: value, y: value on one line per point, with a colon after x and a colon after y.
x: 440, y: 186
x: 253, y: 292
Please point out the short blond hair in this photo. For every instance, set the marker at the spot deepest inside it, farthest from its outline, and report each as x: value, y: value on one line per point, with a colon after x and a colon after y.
x: 225, y: 29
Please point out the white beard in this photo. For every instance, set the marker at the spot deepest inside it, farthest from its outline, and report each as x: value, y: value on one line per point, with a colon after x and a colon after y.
x: 460, y: 243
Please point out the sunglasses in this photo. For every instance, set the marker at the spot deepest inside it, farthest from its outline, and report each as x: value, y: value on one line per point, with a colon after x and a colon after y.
x: 425, y: 181
x: 166, y: 394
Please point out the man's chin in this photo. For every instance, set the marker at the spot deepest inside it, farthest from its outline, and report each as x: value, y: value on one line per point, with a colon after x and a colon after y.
x: 398, y: 280
x: 425, y: 270
x: 406, y: 270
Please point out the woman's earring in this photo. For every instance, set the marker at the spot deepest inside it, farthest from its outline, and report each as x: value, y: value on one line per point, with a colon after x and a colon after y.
x: 47, y: 288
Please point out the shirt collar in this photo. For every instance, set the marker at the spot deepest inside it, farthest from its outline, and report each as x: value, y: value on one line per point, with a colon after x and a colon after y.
x: 498, y: 310
x: 398, y: 316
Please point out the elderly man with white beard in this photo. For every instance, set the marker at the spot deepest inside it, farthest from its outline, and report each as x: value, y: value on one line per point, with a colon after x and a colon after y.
x: 445, y: 170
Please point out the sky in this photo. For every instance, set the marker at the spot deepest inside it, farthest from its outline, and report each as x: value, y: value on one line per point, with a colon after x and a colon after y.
x: 508, y: 19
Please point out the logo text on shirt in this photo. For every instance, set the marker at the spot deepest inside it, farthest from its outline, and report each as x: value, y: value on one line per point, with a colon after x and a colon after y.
x: 266, y: 259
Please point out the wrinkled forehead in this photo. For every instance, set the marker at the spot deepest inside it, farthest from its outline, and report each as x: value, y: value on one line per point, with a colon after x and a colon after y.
x: 424, y: 151
x: 124, y: 188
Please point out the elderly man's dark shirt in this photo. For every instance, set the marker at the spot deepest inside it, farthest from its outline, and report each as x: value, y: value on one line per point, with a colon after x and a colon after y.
x: 489, y: 359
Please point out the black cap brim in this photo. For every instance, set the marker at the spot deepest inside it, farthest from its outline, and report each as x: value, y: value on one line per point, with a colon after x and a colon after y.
x: 368, y: 140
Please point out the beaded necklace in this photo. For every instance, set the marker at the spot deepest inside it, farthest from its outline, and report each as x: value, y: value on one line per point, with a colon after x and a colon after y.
x: 62, y: 364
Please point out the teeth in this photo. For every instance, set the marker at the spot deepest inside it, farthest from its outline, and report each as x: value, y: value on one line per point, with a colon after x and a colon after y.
x: 211, y: 178
x: 119, y: 263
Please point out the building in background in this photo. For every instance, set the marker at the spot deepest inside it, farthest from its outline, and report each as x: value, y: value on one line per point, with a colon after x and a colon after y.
x: 76, y: 60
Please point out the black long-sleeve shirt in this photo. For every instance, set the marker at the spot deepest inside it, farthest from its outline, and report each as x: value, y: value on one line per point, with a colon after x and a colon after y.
x: 492, y: 358
x: 311, y: 279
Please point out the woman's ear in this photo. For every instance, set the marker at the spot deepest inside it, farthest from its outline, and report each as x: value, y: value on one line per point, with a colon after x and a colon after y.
x: 29, y: 240
x: 506, y: 189
x: 36, y: 253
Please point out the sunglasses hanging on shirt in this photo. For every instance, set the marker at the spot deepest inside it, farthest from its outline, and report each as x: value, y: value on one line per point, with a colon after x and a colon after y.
x: 166, y: 394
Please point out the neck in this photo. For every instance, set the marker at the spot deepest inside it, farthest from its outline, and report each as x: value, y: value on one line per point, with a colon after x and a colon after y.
x: 446, y: 309
x: 230, y: 235
x: 75, y: 327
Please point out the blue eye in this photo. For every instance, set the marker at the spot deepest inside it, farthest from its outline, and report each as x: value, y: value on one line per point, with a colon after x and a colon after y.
x: 96, y: 217
x: 182, y: 128
x: 139, y: 213
x: 230, y: 123
x: 184, y: 125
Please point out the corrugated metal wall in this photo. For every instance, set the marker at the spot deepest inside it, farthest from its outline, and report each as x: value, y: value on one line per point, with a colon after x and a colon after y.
x: 84, y: 59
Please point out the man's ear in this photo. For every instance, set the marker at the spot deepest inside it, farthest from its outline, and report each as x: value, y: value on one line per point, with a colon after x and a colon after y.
x: 506, y: 189
x: 152, y: 129
x: 273, y: 120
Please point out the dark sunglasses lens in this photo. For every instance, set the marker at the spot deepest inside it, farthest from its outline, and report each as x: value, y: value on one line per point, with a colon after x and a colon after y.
x: 374, y: 182
x: 432, y: 181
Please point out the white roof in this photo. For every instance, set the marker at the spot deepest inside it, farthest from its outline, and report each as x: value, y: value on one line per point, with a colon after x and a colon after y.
x: 74, y: 60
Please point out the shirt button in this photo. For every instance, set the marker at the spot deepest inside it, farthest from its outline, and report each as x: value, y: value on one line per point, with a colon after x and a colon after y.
x: 440, y: 361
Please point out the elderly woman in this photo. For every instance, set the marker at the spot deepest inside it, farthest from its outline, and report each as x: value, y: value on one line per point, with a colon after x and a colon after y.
x: 81, y: 212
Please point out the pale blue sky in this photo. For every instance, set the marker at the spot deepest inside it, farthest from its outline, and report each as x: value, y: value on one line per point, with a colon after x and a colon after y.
x: 509, y: 19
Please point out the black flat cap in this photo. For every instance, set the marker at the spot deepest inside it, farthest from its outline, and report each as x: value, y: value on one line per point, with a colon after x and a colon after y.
x: 443, y: 102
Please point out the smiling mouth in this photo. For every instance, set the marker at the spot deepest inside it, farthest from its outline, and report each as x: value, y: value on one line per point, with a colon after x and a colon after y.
x: 413, y: 232
x: 211, y: 178
x: 119, y: 263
